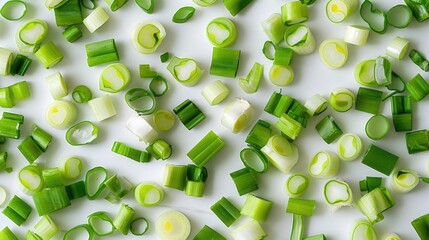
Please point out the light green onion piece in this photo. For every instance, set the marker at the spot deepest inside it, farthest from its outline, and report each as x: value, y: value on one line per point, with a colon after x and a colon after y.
x: 115, y: 5
x: 32, y: 32
x: 236, y: 6
x: 339, y: 10
x: 249, y: 230
x: 259, y: 134
x: 142, y: 129
x: 404, y: 180
x: 244, y: 181
x: 123, y: 219
x: 225, y: 211
x: 51, y: 199
x: 49, y: 55
x: 337, y: 193
x: 297, y: 231
x: 139, y: 226
x: 324, y: 164
x: 41, y: 137
x: 383, y: 71
x: 281, y: 154
x: 147, y: 36
x: 349, y: 147
x: 341, y: 99
x: 204, y: 3
x: 256, y: 208
x: 419, y: 59
x: 300, y: 39
x: 281, y: 75
x: 205, y: 149
x: 102, y: 107
x: 56, y: 85
x: 147, y: 5
x: 94, y: 182
x: 148, y: 194
x: 164, y: 120
x: 158, y: 86
x: 362, y: 229
x: 333, y: 53
x: 254, y: 159
x: 207, y: 232
x: 101, y: 52
x: 31, y: 179
x: 316, y: 104
x: 365, y: 73
x: 390, y: 236
x: 269, y: 50
x: 118, y: 187
x: 129, y: 152
x: 274, y: 28
x: 45, y: 228
x: 17, y: 210
x: 225, y: 62
x: 289, y: 126
x: 3, y: 196
x: 356, y: 35
x: 183, y: 14
x: 299, y: 206
x: 377, y: 127
x: 114, y: 78
x: 294, y: 12
x: 6, y: 233
x: 60, y: 114
x: 52, y: 178
x: 328, y: 129
x: 83, y: 231
x: 82, y: 133
x: 29, y: 149
x: 70, y: 13
x: 51, y: 4
x: 175, y: 176
x: 399, y: 16
x: 81, y: 94
x: 146, y: 72
x: 316, y: 237
x: 140, y: 100
x: 6, y: 59
x: 72, y: 33
x: 374, y: 203
x: 172, y: 225
x: 71, y: 167
x: 101, y: 223
x: 215, y: 92
x: 221, y: 32
x: 160, y: 149
x: 13, y: 10
x: 185, y: 70
x: 237, y: 115
x: 250, y: 84
x: 95, y: 19
x: 296, y: 184
x: 398, y: 48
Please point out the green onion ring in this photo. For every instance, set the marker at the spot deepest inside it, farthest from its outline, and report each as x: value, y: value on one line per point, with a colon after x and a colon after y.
x: 134, y: 229
x: 138, y: 94
x: 8, y: 8
x: 254, y: 159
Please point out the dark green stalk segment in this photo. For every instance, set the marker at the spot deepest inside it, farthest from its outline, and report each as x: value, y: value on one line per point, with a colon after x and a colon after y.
x: 225, y: 211
x: 259, y: 134
x: 129, y: 152
x: 304, y: 207
x: 283, y: 56
x: 368, y: 100
x: 421, y: 225
x: 68, y: 14
x: 417, y: 141
x: 183, y: 14
x: 236, y: 6
x: 189, y: 114
x: 380, y: 160
x: 117, y: 188
x: 328, y: 129
x: 72, y: 33
x: 76, y: 190
x: 30, y: 149
x: 114, y: 5
x: 278, y: 104
x: 288, y: 126
x: 147, y: 5
x: 298, y: 112
x: 160, y: 149
x: 101, y: 52
x: 370, y: 183
x: 402, y: 113
x: 196, y: 174
x: 244, y: 181
x: 420, y: 9
x: 225, y: 62
x: 20, y: 65
x: 17, y: 210
x: 146, y: 72
x: 316, y: 237
x: 208, y: 233
x: 50, y: 200
x: 419, y: 59
x: 418, y: 87
x: 165, y: 57
x: 205, y: 149
x: 88, y: 4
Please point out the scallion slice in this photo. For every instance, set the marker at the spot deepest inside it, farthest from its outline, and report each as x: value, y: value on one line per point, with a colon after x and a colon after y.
x: 49, y: 55
x: 375, y: 18
x: 185, y: 70
x: 77, y: 232
x: 333, y: 53
x: 102, y: 107
x: 362, y: 229
x: 71, y: 167
x: 29, y: 149
x: 399, y: 16
x: 52, y: 178
x: 142, y: 129
x: 398, y: 48
x: 300, y: 39
x: 6, y: 60
x: 175, y: 176
x: 417, y: 141
x: 95, y: 19
x: 17, y: 210
x: 365, y: 73
x: 377, y: 127
x: 115, y: 5
x: 148, y: 194
x: 101, y: 223
x: 147, y: 36
x: 281, y: 75
x: 259, y: 134
x: 250, y: 84
x: 30, y: 178
x: 69, y: 13
x: 289, y: 126
x: 274, y: 28
x: 418, y: 87
x: 383, y: 71
x: 244, y: 181
x: 146, y: 72
x: 60, y: 114
x: 147, y: 5
x: 172, y: 225
x: 51, y: 4
x: 338, y: 193
x: 404, y: 180
x: 225, y: 62
x: 118, y: 187
x: 183, y: 14
x: 349, y: 147
x: 328, y: 129
x: 294, y: 12
x: 123, y: 219
x: 82, y: 133
x: 380, y: 159
x: 114, y: 78
x: 76, y: 190
x: 94, y: 182
x: 237, y: 115
x: 204, y: 3
x: 296, y: 184
x: 419, y: 9
x: 135, y: 227
x: 32, y: 32
x: 129, y: 152
x: 249, y: 230
x: 72, y: 33
x: 374, y: 203
x: 164, y: 57
x: 205, y: 149
x: 297, y: 231
x: 81, y: 94
x: 20, y: 65
x: 56, y: 85
x: 160, y: 149
x: 221, y: 32
x: 207, y: 232
x: 236, y: 6
x: 256, y: 207
x: 269, y: 50
x: 341, y: 99
x: 325, y: 164
x: 420, y: 60
x: 253, y: 159
x: 356, y: 35
x: 158, y: 86
x: 9, y: 10
x: 225, y: 211
x: 215, y: 92
x: 300, y: 206
x: 370, y: 183
x: 316, y: 104
x: 339, y: 10
x: 281, y: 154
x: 368, y: 100
x: 164, y: 120
x: 189, y: 114
x: 420, y: 224
x: 45, y: 228
x: 6, y: 233
x: 101, y: 52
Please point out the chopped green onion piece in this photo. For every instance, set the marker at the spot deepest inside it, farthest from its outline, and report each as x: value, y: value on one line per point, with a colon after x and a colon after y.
x: 278, y: 104
x: 274, y: 29
x: 3, y: 167
x: 420, y: 224
x: 205, y: 149
x: 82, y: 133
x: 204, y: 3
x: 194, y: 189
x: 299, y: 206
x: 399, y: 16
x: 419, y: 59
x: 30, y: 149
x: 51, y: 4
x: 225, y: 211
x: 94, y: 182
x: 215, y: 92
x: 81, y: 94
x: 20, y: 65
x: 281, y: 154
x: 289, y: 126
x: 175, y: 176
x: 147, y: 36
x: 281, y: 75
x: 45, y: 228
x: 365, y: 73
x: 398, y: 48
x: 316, y: 104
x: 123, y: 219
x: 6, y: 233
x: 294, y: 12
x: 185, y: 70
x: 236, y: 6
x: 146, y: 5
x: 324, y: 164
x: 316, y: 237
x: 164, y: 120
x: 76, y: 190
x: 101, y: 52
x: 69, y: 13
x: 370, y: 183
x: 244, y: 181
x: 72, y: 33
x: 349, y: 147
x: 269, y: 50
x: 380, y: 160
x: 49, y: 55
x: 30, y: 35
x: 129, y: 152
x: 183, y: 14
x: 221, y: 32
x: 136, y: 230
x: 338, y: 193
x: 114, y: 78
x: 101, y: 223
x: 297, y: 231
x: 374, y: 203
x: 419, y: 8
x: 402, y: 113
x: 189, y: 114
x: 377, y: 127
x: 10, y: 125
x: 363, y: 229
x: 341, y: 99
x: 368, y: 100
x: 142, y: 129
x: 259, y: 134
x: 375, y: 18
x: 172, y: 225
x: 56, y: 85
x: 164, y: 57
x: 52, y: 178
x: 141, y: 101
x: 208, y: 233
x: 254, y: 159
x: 160, y: 149
x: 237, y: 115
x: 296, y: 184
x: 158, y: 86
x: 256, y: 207
x: 95, y: 19
x: 390, y: 236
x: 339, y: 10
x: 356, y: 35
x: 115, y: 5
x: 404, y: 180
x: 148, y: 194
x: 119, y: 187
x: 19, y: 91
x: 283, y: 56
x: 60, y: 114
x: 10, y: 9
x: 300, y: 39
x: 146, y: 72
x: 250, y: 84
x: 50, y: 200
x: 249, y: 230
x: 417, y: 141
x: 197, y: 174
x: 328, y: 129
x: 225, y: 62
x: 333, y: 53
x: 6, y: 60
x: 75, y: 232
x: 17, y: 210
x: 383, y: 71
x: 418, y: 87
x: 31, y: 179
x: 102, y: 107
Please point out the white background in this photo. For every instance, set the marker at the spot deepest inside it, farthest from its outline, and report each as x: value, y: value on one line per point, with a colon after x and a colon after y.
x: 189, y: 40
